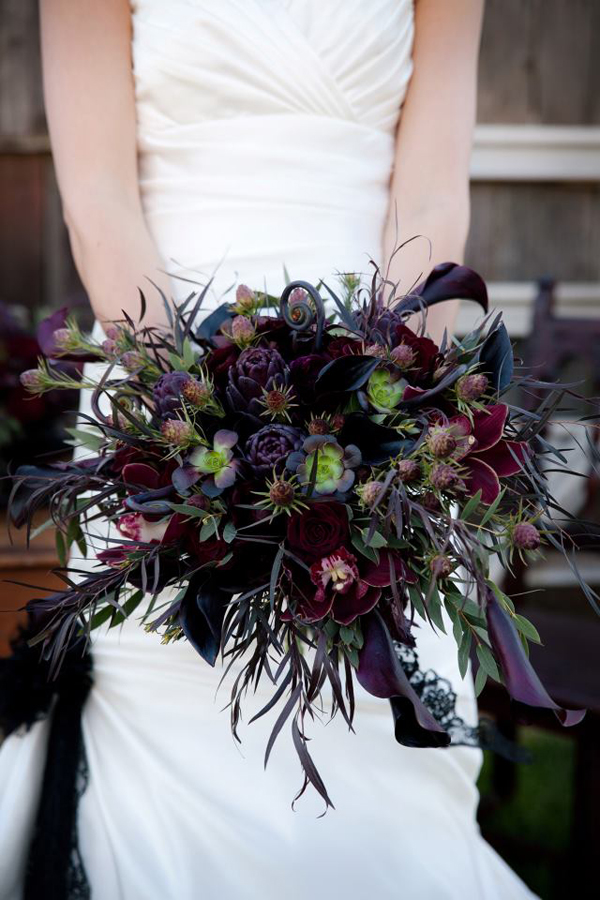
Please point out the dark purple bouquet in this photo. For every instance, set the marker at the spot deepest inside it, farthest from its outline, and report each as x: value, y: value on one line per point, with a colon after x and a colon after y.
x: 309, y: 485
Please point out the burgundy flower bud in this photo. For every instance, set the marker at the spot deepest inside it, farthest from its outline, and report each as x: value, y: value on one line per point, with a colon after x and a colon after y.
x: 244, y: 297
x: 443, y: 476
x: 132, y: 359
x: 370, y: 492
x: 319, y: 426
x: 471, y: 387
x: 441, y: 566
x: 431, y: 502
x: 62, y: 338
x: 376, y: 350
x: 242, y: 329
x: 526, y: 536
x: 198, y: 500
x: 31, y: 379
x: 409, y: 470
x: 441, y: 442
x: 276, y: 401
x: 404, y: 356
x: 337, y: 422
x: 282, y: 493
x: 112, y: 333
x: 109, y: 346
x: 176, y: 432
x: 196, y: 392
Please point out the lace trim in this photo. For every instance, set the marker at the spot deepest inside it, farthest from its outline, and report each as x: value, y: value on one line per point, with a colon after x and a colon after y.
x: 78, y: 886
x: 437, y: 695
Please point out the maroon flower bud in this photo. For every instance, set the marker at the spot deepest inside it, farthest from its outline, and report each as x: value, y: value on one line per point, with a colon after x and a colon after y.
x: 109, y: 346
x: 441, y: 442
x: 337, y: 422
x: 62, y: 338
x: 409, y: 470
x: 319, y: 426
x: 244, y: 297
x: 443, y: 476
x: 404, y: 356
x: 275, y: 401
x: 198, y: 500
x: 196, y: 392
x: 176, y: 432
x: 112, y: 333
x: 282, y: 493
x: 441, y: 566
x: 431, y: 502
x: 31, y: 379
x: 371, y: 492
x: 242, y: 329
x: 376, y: 350
x: 132, y: 360
x: 471, y: 387
x: 526, y: 536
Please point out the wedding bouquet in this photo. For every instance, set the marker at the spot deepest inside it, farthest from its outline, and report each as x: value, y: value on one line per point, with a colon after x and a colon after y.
x: 309, y: 484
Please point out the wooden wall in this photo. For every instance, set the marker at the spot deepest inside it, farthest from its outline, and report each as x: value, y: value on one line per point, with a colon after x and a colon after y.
x: 540, y: 65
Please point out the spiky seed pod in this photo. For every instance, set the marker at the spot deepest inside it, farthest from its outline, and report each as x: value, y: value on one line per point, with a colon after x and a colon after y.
x: 242, y: 330
x: 525, y: 536
x: 109, y: 347
x: 441, y: 566
x: 282, y: 494
x: 430, y: 502
x: 319, y: 426
x: 441, y: 442
x: 113, y: 333
x: 443, y: 476
x: 404, y: 356
x: 198, y: 393
x: 409, y: 470
x: 32, y: 379
x: 370, y: 492
x: 471, y: 387
x: 244, y: 297
x: 131, y: 360
x: 376, y: 350
x: 337, y: 422
x: 177, y: 432
x: 62, y: 338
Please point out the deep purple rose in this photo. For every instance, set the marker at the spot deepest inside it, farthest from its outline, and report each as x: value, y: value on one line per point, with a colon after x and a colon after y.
x: 303, y: 374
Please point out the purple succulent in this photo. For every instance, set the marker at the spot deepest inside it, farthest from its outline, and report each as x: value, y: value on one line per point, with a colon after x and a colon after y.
x: 269, y: 448
x: 168, y: 394
x: 325, y: 464
x: 257, y: 369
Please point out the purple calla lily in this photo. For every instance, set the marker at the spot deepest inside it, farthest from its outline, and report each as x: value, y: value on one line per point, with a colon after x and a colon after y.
x: 520, y: 678
x: 50, y: 347
x: 381, y: 674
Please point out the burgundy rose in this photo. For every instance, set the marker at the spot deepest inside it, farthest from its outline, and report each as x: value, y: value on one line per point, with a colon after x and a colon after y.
x: 303, y: 374
x: 343, y: 346
x: 318, y: 531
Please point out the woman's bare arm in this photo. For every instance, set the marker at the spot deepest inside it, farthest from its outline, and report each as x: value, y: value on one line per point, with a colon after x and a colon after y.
x: 90, y: 106
x: 430, y: 182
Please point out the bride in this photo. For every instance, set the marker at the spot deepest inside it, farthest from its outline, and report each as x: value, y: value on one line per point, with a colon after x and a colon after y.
x: 237, y: 138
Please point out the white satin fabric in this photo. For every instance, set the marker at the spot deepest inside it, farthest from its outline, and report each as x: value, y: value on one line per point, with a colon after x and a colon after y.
x: 266, y: 137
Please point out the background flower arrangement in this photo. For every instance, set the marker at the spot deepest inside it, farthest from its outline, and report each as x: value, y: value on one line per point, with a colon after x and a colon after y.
x: 310, y: 487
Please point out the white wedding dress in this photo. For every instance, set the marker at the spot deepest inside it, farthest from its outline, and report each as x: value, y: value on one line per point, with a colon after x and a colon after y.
x: 266, y: 137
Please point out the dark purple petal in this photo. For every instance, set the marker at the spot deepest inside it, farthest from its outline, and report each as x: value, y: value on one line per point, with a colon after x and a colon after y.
x: 481, y: 478
x: 378, y: 574
x: 140, y: 474
x: 377, y: 443
x: 184, y: 477
x: 347, y: 607
x: 46, y: 329
x: 201, y: 618
x: 448, y: 281
x: 501, y: 459
x: 488, y: 426
x: 381, y: 674
x: 496, y: 358
x: 347, y: 373
x: 519, y: 676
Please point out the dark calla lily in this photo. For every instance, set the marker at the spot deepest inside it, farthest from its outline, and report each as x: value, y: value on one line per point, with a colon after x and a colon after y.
x: 377, y: 443
x: 496, y: 358
x: 201, y: 617
x: 381, y: 674
x: 519, y: 676
x: 447, y: 281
